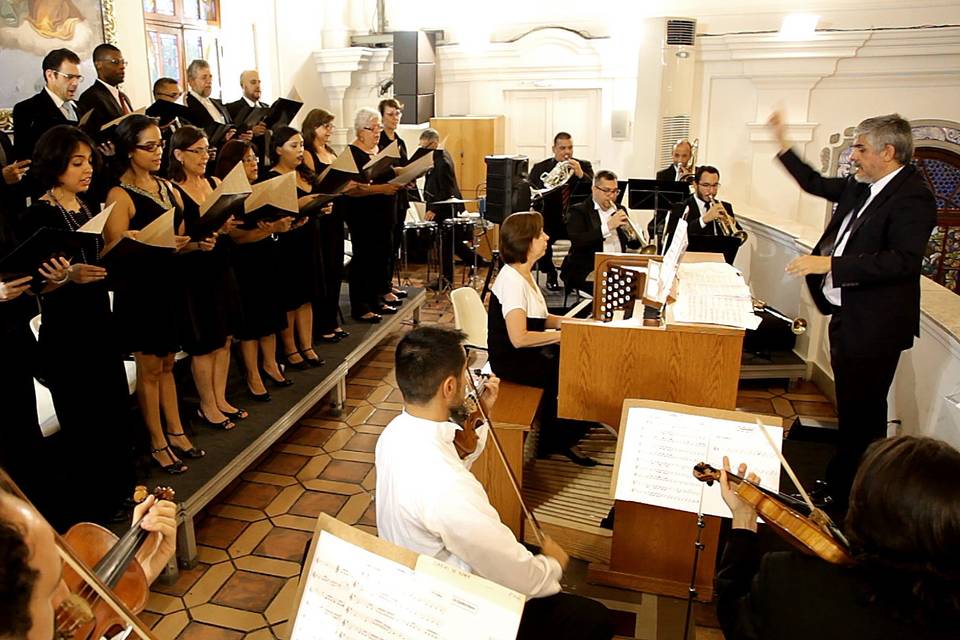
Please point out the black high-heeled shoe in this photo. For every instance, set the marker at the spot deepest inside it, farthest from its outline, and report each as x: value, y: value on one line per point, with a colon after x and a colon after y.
x: 392, y: 303
x: 303, y: 365
x: 225, y: 425
x: 331, y: 339
x: 313, y: 362
x: 282, y: 382
x: 193, y: 452
x: 374, y: 319
x: 174, y: 468
x: 342, y: 334
x: 386, y: 309
x: 258, y: 397
x: 239, y: 414
x: 400, y: 293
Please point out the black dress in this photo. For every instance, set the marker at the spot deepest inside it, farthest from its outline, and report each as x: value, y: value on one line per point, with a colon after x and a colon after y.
x: 299, y: 262
x: 370, y: 220
x: 326, y: 307
x: 148, y: 299
x: 257, y: 267
x: 211, y: 309
x: 82, y: 365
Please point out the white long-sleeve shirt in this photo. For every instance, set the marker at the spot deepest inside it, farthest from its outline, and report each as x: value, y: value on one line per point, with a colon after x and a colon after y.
x: 429, y: 502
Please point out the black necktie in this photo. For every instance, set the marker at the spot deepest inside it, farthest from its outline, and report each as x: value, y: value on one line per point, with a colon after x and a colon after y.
x: 862, y: 200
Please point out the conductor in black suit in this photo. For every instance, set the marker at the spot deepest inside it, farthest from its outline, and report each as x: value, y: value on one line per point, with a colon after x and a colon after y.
x: 104, y: 99
x: 52, y: 106
x: 555, y: 205
x: 864, y: 273
x: 596, y: 224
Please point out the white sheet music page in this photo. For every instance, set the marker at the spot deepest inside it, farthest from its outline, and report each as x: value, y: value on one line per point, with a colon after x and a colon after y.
x: 660, y: 449
x: 354, y: 594
x: 713, y: 293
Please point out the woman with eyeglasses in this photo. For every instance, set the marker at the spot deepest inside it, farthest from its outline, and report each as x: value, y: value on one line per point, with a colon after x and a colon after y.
x: 369, y: 210
x: 299, y: 251
x: 79, y: 358
x: 256, y: 263
x: 212, y: 296
x: 317, y: 129
x: 148, y: 297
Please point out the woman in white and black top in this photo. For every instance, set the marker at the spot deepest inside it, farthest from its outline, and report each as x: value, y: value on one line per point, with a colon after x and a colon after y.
x: 522, y: 348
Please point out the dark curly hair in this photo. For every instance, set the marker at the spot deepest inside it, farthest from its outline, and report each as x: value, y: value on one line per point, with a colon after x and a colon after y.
x: 17, y: 580
x: 51, y: 156
x: 904, y: 526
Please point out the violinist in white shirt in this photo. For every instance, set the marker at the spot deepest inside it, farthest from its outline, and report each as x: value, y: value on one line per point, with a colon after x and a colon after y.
x: 428, y: 501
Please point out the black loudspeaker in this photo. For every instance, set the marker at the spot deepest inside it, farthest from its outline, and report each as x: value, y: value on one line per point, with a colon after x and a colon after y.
x: 414, y: 74
x: 508, y: 189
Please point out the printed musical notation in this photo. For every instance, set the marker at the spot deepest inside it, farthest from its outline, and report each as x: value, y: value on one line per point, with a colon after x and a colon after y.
x: 661, y: 447
x: 355, y: 594
x: 713, y: 293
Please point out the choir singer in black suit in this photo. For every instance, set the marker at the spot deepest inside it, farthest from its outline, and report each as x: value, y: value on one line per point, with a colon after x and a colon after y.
x: 240, y: 109
x: 555, y: 208
x: 104, y: 99
x: 52, y: 106
x: 593, y: 225
x: 903, y: 524
x: 202, y: 110
x: 864, y: 273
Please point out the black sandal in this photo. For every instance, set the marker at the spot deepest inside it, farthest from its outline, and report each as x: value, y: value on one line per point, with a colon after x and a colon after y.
x: 302, y: 365
x: 226, y: 425
x: 193, y: 452
x: 173, y: 468
x: 239, y: 414
x: 313, y: 362
x: 340, y: 333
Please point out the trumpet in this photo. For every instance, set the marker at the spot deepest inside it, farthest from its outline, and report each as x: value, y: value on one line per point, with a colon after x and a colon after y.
x: 635, y: 233
x: 797, y: 325
x: 728, y: 227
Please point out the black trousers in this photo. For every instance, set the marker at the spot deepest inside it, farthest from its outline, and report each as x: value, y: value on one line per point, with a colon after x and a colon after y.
x: 540, y: 367
x: 326, y: 307
x: 862, y: 384
x: 565, y: 615
x: 372, y: 239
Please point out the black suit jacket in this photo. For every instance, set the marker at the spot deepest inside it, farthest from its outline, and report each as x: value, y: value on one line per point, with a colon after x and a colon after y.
x: 198, y: 115
x: 879, y: 271
x: 441, y: 184
x: 239, y: 109
x: 712, y: 228
x: 789, y: 596
x: 31, y: 118
x: 554, y: 216
x: 667, y: 173
x: 586, y: 239
x: 103, y: 106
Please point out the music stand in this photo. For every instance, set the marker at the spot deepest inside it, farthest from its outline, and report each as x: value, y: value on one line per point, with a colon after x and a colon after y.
x: 658, y: 195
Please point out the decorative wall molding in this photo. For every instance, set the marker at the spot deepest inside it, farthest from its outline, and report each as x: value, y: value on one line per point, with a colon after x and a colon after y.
x: 109, y: 22
x: 340, y: 71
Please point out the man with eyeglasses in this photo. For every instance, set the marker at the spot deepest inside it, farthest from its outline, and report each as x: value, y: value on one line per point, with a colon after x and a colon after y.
x: 52, y: 106
x: 103, y: 99
x: 703, y: 209
x: 597, y: 224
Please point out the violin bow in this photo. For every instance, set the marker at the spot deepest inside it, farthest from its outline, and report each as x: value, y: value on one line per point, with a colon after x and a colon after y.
x: 537, y: 531
x: 786, y: 466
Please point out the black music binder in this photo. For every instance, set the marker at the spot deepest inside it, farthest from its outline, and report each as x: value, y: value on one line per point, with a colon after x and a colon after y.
x: 166, y: 112
x: 280, y: 113
x: 217, y: 133
x: 45, y: 244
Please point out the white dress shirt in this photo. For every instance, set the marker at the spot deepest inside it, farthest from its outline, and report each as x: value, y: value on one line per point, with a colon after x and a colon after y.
x: 66, y: 106
x: 429, y: 502
x: 611, y: 241
x: 830, y: 292
x: 250, y: 103
x: 211, y: 108
x: 702, y: 209
x: 515, y: 292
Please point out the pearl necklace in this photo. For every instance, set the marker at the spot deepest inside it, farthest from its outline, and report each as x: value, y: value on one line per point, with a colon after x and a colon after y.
x: 69, y: 219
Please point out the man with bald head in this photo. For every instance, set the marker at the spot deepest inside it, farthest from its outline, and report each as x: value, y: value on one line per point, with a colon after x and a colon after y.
x: 240, y: 109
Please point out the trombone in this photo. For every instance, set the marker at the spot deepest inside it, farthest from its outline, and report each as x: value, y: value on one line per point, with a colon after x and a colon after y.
x: 798, y: 325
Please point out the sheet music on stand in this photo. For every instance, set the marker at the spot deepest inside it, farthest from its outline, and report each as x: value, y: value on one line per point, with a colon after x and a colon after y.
x: 356, y: 586
x: 660, y: 442
x: 713, y: 293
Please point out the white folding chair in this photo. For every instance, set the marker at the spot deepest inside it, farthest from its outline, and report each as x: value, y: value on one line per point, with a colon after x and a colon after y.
x: 470, y: 316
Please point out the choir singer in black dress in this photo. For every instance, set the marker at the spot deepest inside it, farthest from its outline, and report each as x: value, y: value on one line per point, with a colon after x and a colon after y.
x: 79, y: 358
x: 524, y: 337
x: 211, y: 295
x: 370, y: 211
x: 148, y: 298
x: 257, y: 266
x: 318, y: 155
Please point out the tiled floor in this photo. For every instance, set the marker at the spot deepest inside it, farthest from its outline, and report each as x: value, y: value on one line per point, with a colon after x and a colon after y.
x: 253, y: 539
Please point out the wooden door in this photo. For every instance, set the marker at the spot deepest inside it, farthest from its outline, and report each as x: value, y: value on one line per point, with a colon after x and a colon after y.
x: 469, y: 140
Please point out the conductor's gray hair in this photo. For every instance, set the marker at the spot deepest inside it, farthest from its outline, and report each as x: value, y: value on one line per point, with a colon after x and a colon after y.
x: 363, y: 118
x: 891, y: 129
x: 194, y: 68
x: 429, y: 135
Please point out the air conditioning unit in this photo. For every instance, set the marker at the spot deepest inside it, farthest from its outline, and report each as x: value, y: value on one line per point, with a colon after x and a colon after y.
x: 677, y: 56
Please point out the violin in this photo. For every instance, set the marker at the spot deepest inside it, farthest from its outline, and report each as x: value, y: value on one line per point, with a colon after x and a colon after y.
x: 470, y: 417
x: 84, y: 614
x: 807, y: 528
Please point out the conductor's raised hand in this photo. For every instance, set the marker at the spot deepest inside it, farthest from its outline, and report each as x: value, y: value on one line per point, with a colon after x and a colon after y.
x: 14, y: 288
x: 779, y: 129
